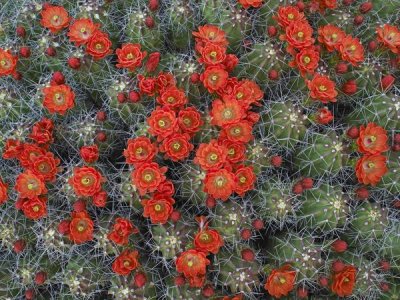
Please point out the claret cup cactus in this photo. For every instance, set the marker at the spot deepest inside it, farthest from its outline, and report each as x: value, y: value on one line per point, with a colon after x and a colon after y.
x: 190, y: 150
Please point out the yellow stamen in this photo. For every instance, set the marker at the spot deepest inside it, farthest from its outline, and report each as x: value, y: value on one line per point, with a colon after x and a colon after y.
x: 307, y: 59
x: 322, y: 88
x: 157, y: 207
x: 290, y: 16
x: 300, y: 34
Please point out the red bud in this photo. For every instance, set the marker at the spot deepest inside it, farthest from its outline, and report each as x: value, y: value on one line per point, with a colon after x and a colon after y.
x: 337, y: 266
x: 387, y: 82
x: 258, y: 224
x: 149, y: 22
x: 339, y: 246
x: 362, y: 193
x: 153, y: 61
x: 29, y: 294
x: 74, y: 63
x: 25, y: 52
x: 175, y: 216
x: 365, y: 7
x: 246, y: 234
x: 101, y: 116
x: 121, y: 97
x: 349, y: 87
x: 358, y: 20
x: 134, y: 96
x: 248, y: 255
x: 210, y: 202
x: 273, y: 75
x: 153, y: 5
x: 21, y: 32
x: 302, y: 293
x: 353, y: 132
x: 323, y: 281
x: 40, y: 277
x: 79, y: 206
x: 341, y: 68
x: 63, y: 227
x: 372, y: 46
x: 101, y: 136
x: 272, y: 31
x: 307, y: 183
x: 297, y: 189
x: 194, y: 78
x: 384, y: 265
x: 51, y: 51
x: 139, y: 280
x: 19, y: 246
x: 208, y: 291
x: 58, y: 78
x: 276, y: 161
x: 180, y: 280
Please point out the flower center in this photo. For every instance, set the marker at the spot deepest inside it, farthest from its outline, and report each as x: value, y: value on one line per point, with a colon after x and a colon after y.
x: 213, y: 157
x: 161, y: 123
x: 214, y: 77
x: 31, y: 186
x: 187, y: 121
x: 85, y: 181
x: 352, y: 47
x: 290, y: 16
x: 83, y: 30
x: 129, y: 56
x: 204, y: 237
x: 148, y: 177
x: 334, y: 36
x: 213, y: 54
x: 371, y: 165
x: 239, y: 95
x: 322, y: 88
x: 228, y: 114
x: 220, y: 181
x: 190, y: 263
x: 171, y: 99
x: 307, y: 59
x: 157, y: 207
x: 236, y: 130
x: 231, y: 151
x: 99, y: 46
x: 81, y: 228
x: 176, y: 146
x: 35, y: 208
x: 300, y: 34
x: 58, y: 99
x: 3, y: 62
x: 127, y: 263
x: 242, y: 179
x: 139, y: 150
x: 346, y: 280
x: 211, y: 35
x: 282, y: 280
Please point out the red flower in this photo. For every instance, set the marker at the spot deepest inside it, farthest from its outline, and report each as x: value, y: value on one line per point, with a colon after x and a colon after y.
x: 247, y: 92
x: 390, y: 36
x: 373, y: 139
x: 166, y: 188
x: 331, y: 36
x: 211, y: 156
x: 238, y: 132
x: 81, y: 31
x: 208, y: 240
x: 245, y: 179
x: 324, y: 116
x: 299, y: 34
x: 192, y: 263
x: 45, y: 166
x: 3, y: 192
x: 371, y: 168
x: 209, y: 34
x: 214, y: 78
x: 100, y: 199
x: 287, y: 15
x: 306, y: 61
x: 172, y: 97
x: 324, y: 4
x: 99, y: 45
x: 250, y: 3
x: 126, y: 262
x: 130, y: 56
x: 152, y: 62
x: 230, y: 62
x: 122, y: 228
x: 147, y: 177
x: 34, y: 208
x: 226, y: 112
x: 89, y: 154
x: 158, y: 209
x: 189, y: 120
x: 12, y: 149
x: 162, y: 122
x: 280, y: 281
x: 28, y: 185
x: 322, y: 88
x: 351, y: 50
x: 29, y: 153
x: 80, y: 227
x: 58, y: 98
x: 139, y: 150
x: 42, y: 131
x: 236, y: 151
x: 197, y: 281
x: 212, y: 54
x: 343, y: 282
x: 177, y: 146
x: 54, y: 18
x: 147, y: 85
x: 220, y: 184
x: 86, y: 181
x: 164, y: 80
x: 8, y: 63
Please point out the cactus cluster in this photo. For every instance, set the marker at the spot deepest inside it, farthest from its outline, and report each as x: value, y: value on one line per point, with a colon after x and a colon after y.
x: 210, y: 149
